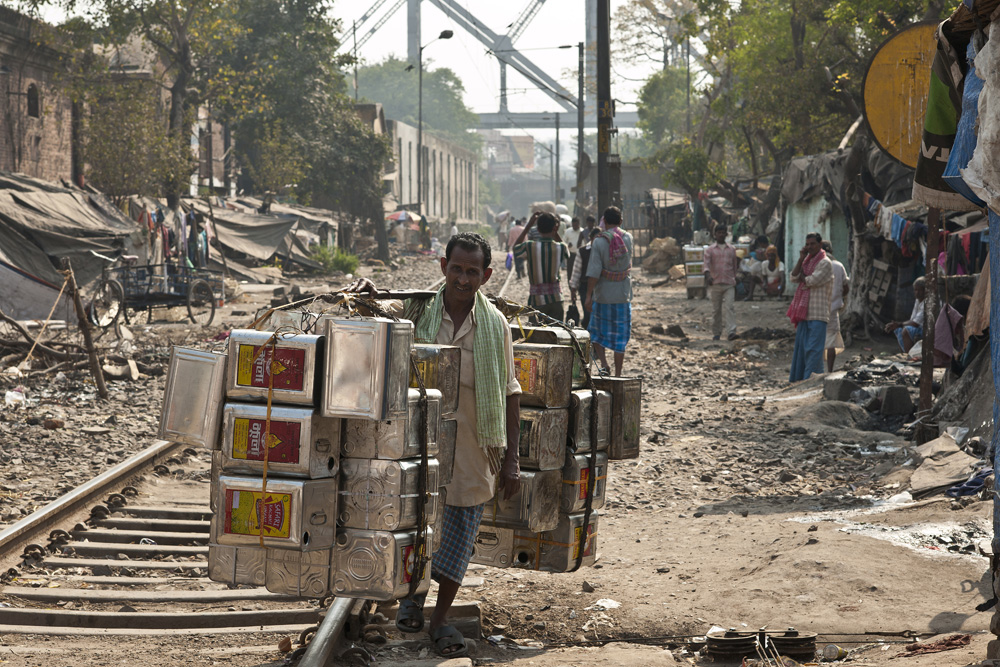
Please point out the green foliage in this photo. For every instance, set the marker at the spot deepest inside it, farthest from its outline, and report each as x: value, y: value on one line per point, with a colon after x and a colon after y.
x: 335, y: 259
x: 397, y: 89
x: 305, y: 125
x: 766, y: 63
x: 663, y: 105
x: 277, y: 163
x: 688, y: 166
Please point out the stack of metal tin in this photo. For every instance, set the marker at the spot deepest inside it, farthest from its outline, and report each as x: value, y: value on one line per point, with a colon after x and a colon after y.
x: 540, y: 527
x: 338, y: 507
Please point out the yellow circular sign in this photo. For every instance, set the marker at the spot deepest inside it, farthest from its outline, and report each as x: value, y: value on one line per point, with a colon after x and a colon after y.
x: 895, y: 90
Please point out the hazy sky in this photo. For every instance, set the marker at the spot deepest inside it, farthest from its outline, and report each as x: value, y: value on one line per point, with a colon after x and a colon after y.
x: 558, y: 22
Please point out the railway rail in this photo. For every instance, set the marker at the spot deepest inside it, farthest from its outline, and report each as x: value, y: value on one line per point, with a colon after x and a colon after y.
x: 126, y: 554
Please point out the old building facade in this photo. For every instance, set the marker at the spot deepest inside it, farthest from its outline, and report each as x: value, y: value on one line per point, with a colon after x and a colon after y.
x: 450, y: 175
x: 36, y: 118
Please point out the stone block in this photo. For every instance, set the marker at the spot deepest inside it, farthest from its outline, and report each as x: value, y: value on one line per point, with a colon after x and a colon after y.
x: 837, y: 387
x: 993, y: 652
x: 895, y: 400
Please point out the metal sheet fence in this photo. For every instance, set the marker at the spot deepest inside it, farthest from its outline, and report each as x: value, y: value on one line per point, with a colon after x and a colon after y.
x: 652, y: 215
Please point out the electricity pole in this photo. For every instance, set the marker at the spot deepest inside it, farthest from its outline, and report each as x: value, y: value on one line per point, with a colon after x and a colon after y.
x: 604, y: 105
x: 579, y: 130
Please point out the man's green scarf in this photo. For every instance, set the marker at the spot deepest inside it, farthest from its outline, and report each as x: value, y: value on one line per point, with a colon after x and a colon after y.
x: 490, y: 366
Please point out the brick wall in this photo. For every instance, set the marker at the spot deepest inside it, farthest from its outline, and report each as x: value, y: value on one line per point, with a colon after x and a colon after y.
x: 39, y: 146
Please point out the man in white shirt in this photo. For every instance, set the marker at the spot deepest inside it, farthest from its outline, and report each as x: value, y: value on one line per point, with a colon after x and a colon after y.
x: 571, y: 237
x: 841, y: 286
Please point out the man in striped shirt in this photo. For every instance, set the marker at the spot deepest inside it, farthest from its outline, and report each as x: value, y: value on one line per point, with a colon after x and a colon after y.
x: 544, y: 256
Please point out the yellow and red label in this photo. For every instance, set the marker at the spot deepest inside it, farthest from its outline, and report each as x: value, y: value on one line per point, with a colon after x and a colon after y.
x: 247, y: 511
x: 584, y: 476
x: 526, y: 371
x: 576, y: 541
x: 288, y: 367
x: 282, y: 443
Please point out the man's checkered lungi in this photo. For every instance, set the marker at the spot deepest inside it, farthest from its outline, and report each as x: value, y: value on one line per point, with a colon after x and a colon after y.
x: 458, y: 535
x: 611, y: 325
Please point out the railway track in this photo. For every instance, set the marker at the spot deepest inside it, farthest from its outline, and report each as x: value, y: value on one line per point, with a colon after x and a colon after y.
x: 126, y: 554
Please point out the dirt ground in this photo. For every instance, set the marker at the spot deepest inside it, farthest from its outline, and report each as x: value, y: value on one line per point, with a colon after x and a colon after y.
x: 752, y: 504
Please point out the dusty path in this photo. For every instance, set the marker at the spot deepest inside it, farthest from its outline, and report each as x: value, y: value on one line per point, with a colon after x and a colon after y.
x: 751, y: 505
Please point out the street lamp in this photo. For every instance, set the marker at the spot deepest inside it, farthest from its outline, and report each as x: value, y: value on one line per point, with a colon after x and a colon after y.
x: 445, y: 34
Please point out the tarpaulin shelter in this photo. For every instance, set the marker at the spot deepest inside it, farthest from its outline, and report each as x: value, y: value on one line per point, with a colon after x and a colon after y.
x: 41, y: 223
x: 260, y: 236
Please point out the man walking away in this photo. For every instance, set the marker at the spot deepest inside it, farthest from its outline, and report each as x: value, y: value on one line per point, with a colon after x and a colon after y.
x: 578, y: 280
x: 720, y: 275
x: 572, y: 236
x: 609, y: 290
x: 544, y: 258
x: 810, y: 309
x: 512, y: 236
x: 841, y: 286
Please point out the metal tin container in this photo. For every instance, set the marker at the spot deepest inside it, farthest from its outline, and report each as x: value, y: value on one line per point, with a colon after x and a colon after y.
x: 576, y: 475
x: 626, y: 403
x: 447, y: 437
x: 494, y: 546
x: 301, y: 443
x: 305, y: 574
x: 236, y: 565
x: 579, y: 420
x: 296, y: 319
x: 558, y: 336
x: 367, y: 370
x: 296, y: 514
x: 192, y: 399
x: 542, y: 444
x: 438, y: 518
x: 376, y: 564
x: 296, y: 359
x: 544, y: 373
x: 534, y: 507
x: 383, y: 495
x: 397, y: 438
x: 440, y: 367
x: 215, y: 472
x: 556, y: 550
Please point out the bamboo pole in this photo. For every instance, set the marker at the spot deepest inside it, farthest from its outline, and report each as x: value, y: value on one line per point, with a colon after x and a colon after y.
x: 931, y: 308
x: 88, y: 340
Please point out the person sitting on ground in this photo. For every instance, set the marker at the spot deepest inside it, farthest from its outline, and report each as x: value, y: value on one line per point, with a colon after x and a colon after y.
x: 912, y: 330
x: 770, y: 274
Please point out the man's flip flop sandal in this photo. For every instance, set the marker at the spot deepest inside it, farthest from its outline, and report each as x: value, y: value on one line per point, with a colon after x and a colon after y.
x: 447, y: 636
x: 410, y: 610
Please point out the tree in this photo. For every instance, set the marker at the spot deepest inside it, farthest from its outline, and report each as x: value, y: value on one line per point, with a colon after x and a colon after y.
x: 302, y: 117
x: 126, y: 146
x: 188, y: 36
x: 277, y: 164
x: 663, y: 106
x: 395, y: 85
